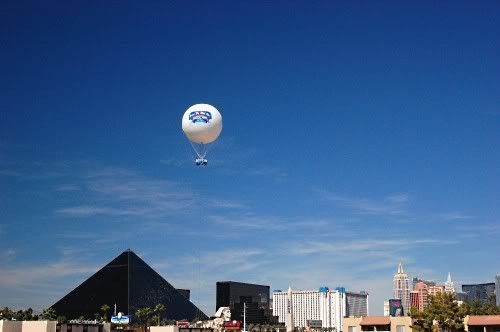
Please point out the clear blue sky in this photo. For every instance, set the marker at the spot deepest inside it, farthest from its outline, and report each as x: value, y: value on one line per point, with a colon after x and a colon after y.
x: 356, y: 135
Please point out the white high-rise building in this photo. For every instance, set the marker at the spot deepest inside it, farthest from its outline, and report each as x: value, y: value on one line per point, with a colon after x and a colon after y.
x: 401, y: 288
x: 449, y: 286
x: 327, y: 306
x: 289, y: 311
x: 386, y: 308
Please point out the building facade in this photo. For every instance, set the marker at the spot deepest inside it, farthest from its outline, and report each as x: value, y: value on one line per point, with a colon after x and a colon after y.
x: 449, y: 286
x: 237, y: 295
x: 129, y: 283
x: 483, y: 323
x: 377, y: 323
x: 416, y: 280
x: 482, y: 292
x: 401, y: 288
x: 356, y: 304
x: 497, y: 289
x: 328, y: 306
x: 414, y: 300
x: 433, y: 290
x: 386, y: 308
x: 461, y: 297
x: 419, y: 296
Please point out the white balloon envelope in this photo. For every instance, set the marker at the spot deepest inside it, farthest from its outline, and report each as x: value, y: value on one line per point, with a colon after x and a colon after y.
x: 202, y: 125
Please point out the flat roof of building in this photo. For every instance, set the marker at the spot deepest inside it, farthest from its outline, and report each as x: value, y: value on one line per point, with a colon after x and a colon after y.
x: 484, y: 320
x: 241, y: 283
x: 376, y: 320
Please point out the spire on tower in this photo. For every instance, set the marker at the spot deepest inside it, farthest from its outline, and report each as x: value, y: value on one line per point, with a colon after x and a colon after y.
x: 400, y: 268
x: 449, y: 287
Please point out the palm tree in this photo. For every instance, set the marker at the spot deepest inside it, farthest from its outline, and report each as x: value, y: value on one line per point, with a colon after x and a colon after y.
x: 105, y: 309
x: 159, y: 308
x: 143, y: 315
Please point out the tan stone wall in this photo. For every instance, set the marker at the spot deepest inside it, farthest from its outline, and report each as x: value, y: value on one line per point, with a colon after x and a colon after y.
x: 395, y: 321
x: 10, y: 326
x: 39, y: 326
x: 404, y: 321
x: 351, y: 321
x: 169, y: 328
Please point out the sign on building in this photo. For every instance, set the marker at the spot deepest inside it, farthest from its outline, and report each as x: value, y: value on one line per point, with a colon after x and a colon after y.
x: 120, y: 319
x: 232, y: 325
x: 182, y: 323
x: 314, y: 323
x: 396, y: 308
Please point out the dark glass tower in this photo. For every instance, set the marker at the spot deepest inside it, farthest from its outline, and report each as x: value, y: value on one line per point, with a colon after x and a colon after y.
x: 233, y: 294
x: 483, y: 292
x: 130, y: 283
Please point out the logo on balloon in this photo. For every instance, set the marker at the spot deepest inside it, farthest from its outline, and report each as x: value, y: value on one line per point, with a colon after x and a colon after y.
x: 200, y: 116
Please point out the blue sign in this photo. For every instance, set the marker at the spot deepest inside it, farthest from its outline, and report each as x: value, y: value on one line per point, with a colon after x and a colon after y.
x: 120, y: 319
x: 200, y: 116
x: 324, y: 289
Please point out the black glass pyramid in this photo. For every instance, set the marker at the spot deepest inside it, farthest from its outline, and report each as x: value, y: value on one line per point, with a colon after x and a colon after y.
x: 130, y: 283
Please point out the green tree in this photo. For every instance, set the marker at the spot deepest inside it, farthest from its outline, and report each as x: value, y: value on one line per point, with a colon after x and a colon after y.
x: 28, y: 314
x: 477, y: 307
x: 266, y: 327
x: 144, y: 316
x: 442, y: 314
x: 19, y: 315
x: 490, y: 308
x: 105, y: 311
x: 158, y: 309
x: 48, y: 314
x: 6, y: 313
x: 422, y: 321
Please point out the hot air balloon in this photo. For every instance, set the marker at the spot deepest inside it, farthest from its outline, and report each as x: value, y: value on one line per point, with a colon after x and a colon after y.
x: 202, y: 125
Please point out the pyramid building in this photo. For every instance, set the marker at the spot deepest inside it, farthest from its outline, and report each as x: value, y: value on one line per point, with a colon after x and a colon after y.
x: 130, y: 283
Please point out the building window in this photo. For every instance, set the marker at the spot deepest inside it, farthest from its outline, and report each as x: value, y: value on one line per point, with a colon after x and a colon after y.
x: 400, y: 328
x: 351, y: 329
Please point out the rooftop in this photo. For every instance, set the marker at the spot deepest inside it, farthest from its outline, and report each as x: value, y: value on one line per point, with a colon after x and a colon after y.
x: 484, y: 320
x: 376, y: 320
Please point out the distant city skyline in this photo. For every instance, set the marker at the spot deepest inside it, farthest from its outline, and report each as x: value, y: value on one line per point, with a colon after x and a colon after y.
x: 355, y: 135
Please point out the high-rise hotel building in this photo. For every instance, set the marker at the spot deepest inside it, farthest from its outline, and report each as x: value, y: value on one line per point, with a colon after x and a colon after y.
x: 401, y: 288
x: 325, y: 305
x: 449, y: 285
x: 419, y: 295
